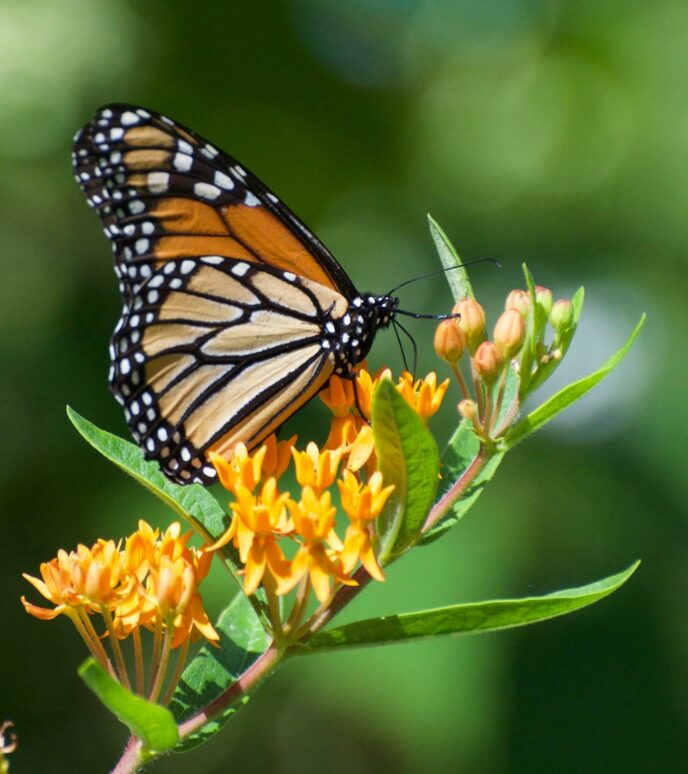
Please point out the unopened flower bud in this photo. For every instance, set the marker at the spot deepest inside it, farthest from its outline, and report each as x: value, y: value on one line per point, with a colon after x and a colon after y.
x: 468, y: 409
x: 471, y: 322
x: 488, y: 362
x: 450, y: 341
x: 509, y: 333
x: 544, y: 299
x: 561, y: 316
x: 518, y: 299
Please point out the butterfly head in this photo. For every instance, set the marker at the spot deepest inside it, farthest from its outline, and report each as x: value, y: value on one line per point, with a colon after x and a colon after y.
x: 350, y: 336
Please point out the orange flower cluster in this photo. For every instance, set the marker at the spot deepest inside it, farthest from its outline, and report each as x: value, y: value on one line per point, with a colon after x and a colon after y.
x: 263, y: 516
x: 151, y: 583
x: 351, y: 404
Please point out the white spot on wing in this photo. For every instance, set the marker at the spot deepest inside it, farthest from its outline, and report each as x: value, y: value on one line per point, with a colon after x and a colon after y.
x: 240, y: 269
x: 184, y: 147
x: 224, y: 181
x: 182, y: 162
x: 158, y: 182
x: 206, y: 190
x: 128, y: 118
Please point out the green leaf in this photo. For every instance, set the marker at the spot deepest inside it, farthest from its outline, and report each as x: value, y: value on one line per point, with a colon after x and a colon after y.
x: 151, y: 723
x: 408, y: 458
x: 457, y: 276
x: 565, y: 397
x: 529, y: 349
x: 192, y: 503
x: 467, y: 619
x: 461, y: 452
x: 242, y: 641
x: 577, y: 303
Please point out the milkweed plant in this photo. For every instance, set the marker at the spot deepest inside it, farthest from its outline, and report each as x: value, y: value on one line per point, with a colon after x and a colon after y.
x: 295, y: 557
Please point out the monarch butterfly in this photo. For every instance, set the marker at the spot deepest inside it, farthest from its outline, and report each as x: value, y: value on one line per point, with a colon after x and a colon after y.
x: 234, y: 313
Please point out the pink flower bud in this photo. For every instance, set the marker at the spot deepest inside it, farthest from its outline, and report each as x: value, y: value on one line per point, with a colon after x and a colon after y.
x: 518, y: 299
x: 488, y: 362
x: 509, y: 333
x: 450, y: 341
x: 471, y: 322
x: 468, y: 409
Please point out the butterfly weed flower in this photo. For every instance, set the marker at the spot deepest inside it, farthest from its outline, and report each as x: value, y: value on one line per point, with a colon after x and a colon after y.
x: 315, y: 468
x: 150, y: 583
x: 362, y: 503
x: 317, y: 557
x: 259, y: 520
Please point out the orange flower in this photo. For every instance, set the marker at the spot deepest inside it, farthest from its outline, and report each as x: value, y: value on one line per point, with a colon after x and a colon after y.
x: 361, y: 450
x: 313, y: 518
x: 338, y: 396
x: 92, y: 578
x: 363, y: 503
x: 315, y: 468
x: 277, y: 456
x: 243, y: 469
x: 173, y: 589
x: 256, y: 523
x: 424, y: 395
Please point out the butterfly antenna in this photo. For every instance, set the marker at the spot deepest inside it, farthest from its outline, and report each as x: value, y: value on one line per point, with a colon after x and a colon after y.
x: 401, y: 346
x: 413, y: 346
x: 418, y: 316
x: 444, y: 271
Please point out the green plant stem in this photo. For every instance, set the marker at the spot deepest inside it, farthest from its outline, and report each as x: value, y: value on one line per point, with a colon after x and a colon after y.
x: 509, y: 417
x: 500, y: 398
x: 340, y: 600
x: 116, y: 649
x: 458, y: 489
x: 299, y: 607
x: 164, y: 661
x: 138, y: 662
x: 174, y: 680
x: 462, y: 382
x: 245, y: 683
x: 131, y: 758
x: 155, y: 659
x: 273, y: 607
x: 83, y: 625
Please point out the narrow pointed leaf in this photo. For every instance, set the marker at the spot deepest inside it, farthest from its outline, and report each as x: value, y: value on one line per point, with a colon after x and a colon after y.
x: 457, y: 276
x: 467, y: 619
x: 151, y: 723
x: 242, y: 641
x: 192, y: 503
x: 565, y: 397
x: 577, y: 302
x: 408, y: 458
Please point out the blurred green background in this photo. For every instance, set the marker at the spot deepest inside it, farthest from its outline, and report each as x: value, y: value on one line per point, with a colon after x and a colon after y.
x: 548, y: 131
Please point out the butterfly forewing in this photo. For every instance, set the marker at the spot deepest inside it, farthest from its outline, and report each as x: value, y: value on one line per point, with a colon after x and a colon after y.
x: 234, y: 314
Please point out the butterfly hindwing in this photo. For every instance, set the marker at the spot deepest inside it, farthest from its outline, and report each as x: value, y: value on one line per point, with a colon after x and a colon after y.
x: 203, y: 346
